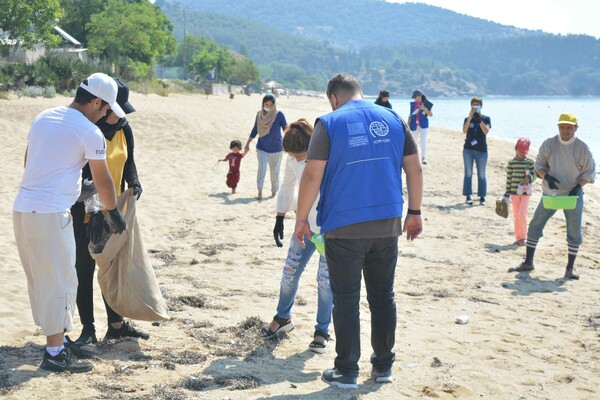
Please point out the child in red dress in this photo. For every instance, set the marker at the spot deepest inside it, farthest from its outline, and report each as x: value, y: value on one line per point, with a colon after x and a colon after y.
x: 235, y: 159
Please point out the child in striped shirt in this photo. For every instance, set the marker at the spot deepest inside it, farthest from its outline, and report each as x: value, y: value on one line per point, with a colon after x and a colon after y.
x: 519, y: 176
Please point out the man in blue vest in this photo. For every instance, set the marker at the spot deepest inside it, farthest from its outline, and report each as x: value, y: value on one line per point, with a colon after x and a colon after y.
x: 355, y: 159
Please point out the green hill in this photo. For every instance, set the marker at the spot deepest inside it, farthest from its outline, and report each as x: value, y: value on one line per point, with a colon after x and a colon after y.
x: 396, y: 46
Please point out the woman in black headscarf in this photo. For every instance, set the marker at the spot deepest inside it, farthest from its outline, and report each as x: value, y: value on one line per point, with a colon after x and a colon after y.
x: 383, y: 99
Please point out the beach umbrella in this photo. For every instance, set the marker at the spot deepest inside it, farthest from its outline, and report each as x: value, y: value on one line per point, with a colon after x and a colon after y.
x: 273, y: 85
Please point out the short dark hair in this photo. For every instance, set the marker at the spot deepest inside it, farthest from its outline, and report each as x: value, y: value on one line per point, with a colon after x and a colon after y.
x: 235, y: 143
x: 84, y: 97
x: 477, y: 100
x: 343, y: 83
x: 268, y: 97
x: 297, y: 136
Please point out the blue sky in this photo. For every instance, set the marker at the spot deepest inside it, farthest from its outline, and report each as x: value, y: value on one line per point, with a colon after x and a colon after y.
x: 554, y: 16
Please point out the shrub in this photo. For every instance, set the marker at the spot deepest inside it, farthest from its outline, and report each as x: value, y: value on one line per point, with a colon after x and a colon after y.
x: 30, y: 91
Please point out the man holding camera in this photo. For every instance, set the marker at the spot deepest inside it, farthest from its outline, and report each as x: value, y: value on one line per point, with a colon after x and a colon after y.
x: 476, y: 127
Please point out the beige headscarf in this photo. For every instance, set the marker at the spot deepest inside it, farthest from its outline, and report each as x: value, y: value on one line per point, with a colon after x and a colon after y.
x: 264, y: 122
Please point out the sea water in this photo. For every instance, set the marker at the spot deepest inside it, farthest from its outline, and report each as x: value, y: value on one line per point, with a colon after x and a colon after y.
x: 515, y: 117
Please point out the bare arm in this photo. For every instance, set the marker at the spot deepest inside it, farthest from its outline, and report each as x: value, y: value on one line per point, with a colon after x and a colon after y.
x: 25, y: 157
x: 307, y: 194
x: 467, y: 122
x: 413, y: 225
x: 484, y: 128
x: 247, y: 145
x: 104, y: 183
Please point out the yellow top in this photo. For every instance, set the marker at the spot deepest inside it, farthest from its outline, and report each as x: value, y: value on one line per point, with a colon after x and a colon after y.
x: 116, y: 155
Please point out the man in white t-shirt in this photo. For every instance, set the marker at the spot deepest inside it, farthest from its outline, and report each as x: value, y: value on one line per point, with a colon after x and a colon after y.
x: 60, y: 142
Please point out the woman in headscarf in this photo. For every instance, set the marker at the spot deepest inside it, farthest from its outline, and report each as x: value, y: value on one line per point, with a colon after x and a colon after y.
x: 384, y: 99
x: 268, y: 125
x: 88, y: 219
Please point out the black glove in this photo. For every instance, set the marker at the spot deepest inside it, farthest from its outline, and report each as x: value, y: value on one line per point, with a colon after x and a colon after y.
x: 552, y: 181
x: 118, y: 223
x: 575, y: 190
x: 137, y: 189
x: 278, y: 230
x: 95, y: 227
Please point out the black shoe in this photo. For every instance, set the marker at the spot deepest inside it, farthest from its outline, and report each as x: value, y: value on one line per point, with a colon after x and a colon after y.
x: 382, y: 377
x: 64, y: 362
x: 469, y: 201
x: 482, y: 201
x: 334, y: 378
x: 523, y: 267
x: 88, y: 335
x: 127, y: 330
x: 571, y: 273
x: 77, y: 350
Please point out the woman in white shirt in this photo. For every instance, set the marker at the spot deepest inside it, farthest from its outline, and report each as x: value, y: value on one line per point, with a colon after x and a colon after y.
x: 295, y: 143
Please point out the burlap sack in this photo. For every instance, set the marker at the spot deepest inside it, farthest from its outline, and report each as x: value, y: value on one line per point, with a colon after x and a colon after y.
x: 502, y: 208
x: 125, y: 273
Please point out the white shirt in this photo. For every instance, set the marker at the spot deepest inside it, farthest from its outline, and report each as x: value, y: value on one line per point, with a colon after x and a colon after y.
x: 60, y: 142
x: 287, y: 195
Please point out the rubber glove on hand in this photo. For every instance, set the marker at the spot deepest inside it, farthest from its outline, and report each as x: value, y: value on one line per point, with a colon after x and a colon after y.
x: 278, y: 230
x: 575, y: 190
x: 137, y: 189
x: 552, y: 181
x: 95, y: 227
x: 118, y: 223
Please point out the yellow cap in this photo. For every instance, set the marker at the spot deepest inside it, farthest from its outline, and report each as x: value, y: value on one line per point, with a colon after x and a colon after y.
x: 567, y: 118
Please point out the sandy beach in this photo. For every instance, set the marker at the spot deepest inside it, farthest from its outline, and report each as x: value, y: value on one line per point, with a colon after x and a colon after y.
x: 528, y: 337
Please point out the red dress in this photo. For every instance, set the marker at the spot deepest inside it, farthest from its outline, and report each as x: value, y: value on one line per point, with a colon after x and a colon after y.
x: 233, y: 176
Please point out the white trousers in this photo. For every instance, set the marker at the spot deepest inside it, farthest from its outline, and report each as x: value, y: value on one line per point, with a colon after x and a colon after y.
x: 46, y: 246
x: 273, y: 160
x: 420, y: 135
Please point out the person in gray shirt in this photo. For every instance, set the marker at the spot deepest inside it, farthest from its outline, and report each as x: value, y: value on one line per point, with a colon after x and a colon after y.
x: 566, y: 165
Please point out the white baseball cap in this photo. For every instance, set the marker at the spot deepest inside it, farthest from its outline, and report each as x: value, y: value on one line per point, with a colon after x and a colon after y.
x: 104, y: 87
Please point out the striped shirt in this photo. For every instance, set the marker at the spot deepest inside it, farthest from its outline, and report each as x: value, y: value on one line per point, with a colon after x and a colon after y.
x: 516, y: 172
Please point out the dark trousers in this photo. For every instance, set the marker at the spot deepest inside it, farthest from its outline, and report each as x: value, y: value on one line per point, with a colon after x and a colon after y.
x: 376, y: 260
x: 85, y: 266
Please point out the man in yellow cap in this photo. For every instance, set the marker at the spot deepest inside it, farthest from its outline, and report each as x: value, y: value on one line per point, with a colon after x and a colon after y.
x: 565, y: 163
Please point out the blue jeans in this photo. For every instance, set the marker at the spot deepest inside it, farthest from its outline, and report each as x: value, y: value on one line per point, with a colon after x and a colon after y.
x: 376, y: 260
x: 295, y: 263
x: 573, y: 218
x: 480, y: 158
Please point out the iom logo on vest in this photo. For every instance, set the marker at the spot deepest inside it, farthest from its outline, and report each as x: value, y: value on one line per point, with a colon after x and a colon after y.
x: 379, y: 129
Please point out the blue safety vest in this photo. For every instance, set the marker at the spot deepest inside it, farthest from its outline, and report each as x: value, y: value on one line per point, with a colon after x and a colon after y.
x: 363, y: 176
x: 423, y: 118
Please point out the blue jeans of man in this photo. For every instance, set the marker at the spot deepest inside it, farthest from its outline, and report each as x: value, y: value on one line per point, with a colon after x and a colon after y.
x: 376, y: 259
x: 480, y: 159
x: 295, y: 264
x: 573, y: 218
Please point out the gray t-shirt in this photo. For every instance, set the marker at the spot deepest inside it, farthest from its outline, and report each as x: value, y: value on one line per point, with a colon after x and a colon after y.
x: 569, y: 163
x: 318, y: 149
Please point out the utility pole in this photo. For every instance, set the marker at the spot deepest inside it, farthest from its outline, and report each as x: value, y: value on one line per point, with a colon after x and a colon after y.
x: 184, y: 48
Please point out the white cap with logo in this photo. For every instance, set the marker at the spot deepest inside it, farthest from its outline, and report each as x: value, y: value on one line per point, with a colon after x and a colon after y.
x: 104, y: 87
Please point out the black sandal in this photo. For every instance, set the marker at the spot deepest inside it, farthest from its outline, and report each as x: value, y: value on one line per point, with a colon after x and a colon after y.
x: 319, y: 347
x: 285, y: 325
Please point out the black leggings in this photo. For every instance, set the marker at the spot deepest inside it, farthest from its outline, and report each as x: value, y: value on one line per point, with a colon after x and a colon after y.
x: 85, y: 266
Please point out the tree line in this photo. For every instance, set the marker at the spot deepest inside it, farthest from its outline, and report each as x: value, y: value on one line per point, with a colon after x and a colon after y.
x: 126, y: 38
